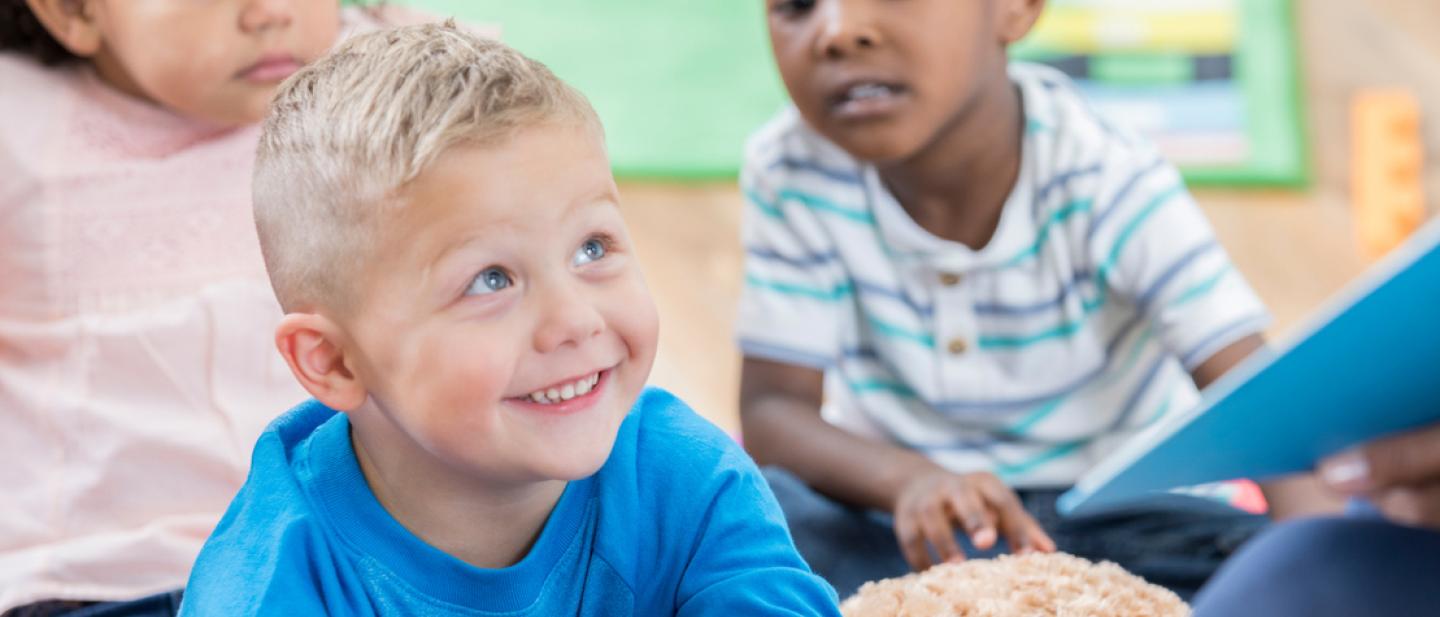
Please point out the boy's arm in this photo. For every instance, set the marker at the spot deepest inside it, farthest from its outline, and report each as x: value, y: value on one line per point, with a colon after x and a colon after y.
x: 237, y: 573
x: 780, y: 419
x: 743, y: 561
x: 1291, y: 497
x: 780, y: 416
x: 730, y: 550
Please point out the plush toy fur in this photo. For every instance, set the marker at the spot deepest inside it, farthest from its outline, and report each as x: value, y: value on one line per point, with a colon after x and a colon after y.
x: 1052, y: 585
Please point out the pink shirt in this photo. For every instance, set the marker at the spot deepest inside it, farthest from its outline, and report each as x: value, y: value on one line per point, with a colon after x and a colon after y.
x: 136, y: 358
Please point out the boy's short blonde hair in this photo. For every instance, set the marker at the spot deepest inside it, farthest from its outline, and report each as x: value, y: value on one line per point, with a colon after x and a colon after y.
x: 345, y: 135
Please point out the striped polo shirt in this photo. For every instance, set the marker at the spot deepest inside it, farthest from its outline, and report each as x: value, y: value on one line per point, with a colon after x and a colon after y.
x: 1074, y: 327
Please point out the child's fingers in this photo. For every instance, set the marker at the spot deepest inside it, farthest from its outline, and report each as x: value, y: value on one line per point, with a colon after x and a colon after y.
x: 1020, y: 529
x: 935, y: 523
x: 1034, y: 535
x: 912, y: 541
x: 1022, y: 532
x: 1408, y: 459
x: 975, y: 518
x: 1417, y: 506
x: 1039, y: 539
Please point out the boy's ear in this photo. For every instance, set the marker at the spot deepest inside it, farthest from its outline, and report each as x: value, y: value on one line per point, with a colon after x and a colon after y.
x: 316, y: 350
x: 71, y: 22
x: 1017, y: 17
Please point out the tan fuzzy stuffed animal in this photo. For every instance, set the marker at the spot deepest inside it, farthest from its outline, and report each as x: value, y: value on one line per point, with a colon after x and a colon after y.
x: 1050, y: 585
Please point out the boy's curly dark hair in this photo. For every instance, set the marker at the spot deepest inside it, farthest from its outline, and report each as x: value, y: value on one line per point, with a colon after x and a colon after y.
x: 21, y: 31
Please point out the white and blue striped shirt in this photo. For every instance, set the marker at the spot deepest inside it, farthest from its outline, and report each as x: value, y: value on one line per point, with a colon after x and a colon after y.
x: 1032, y: 357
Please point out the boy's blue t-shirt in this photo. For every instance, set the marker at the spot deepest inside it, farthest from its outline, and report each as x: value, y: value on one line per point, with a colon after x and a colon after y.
x: 677, y: 522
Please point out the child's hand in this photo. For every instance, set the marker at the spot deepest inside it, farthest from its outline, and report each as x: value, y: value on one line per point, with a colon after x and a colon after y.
x: 1400, y: 475
x: 932, y: 503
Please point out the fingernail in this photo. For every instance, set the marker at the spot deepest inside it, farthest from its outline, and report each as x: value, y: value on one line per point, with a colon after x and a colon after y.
x: 1348, y: 472
x: 985, y: 538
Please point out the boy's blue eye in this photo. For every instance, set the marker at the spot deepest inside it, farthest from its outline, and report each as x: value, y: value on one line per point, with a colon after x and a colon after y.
x: 590, y: 251
x: 489, y: 281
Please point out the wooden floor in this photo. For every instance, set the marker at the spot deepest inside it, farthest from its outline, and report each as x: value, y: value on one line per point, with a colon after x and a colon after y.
x: 1296, y: 248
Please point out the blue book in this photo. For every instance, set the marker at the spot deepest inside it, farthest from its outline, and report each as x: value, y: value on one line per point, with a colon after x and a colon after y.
x: 1366, y: 366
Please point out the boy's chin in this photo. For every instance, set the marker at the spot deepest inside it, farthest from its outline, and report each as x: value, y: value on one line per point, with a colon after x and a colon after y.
x: 876, y: 145
x: 577, y: 463
x: 576, y: 469
x: 584, y: 450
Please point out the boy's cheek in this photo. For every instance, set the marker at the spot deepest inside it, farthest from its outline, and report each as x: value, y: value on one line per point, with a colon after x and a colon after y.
x: 631, y: 313
x: 462, y: 373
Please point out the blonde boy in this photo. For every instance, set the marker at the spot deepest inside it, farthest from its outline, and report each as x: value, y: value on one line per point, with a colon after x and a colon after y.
x: 440, y: 224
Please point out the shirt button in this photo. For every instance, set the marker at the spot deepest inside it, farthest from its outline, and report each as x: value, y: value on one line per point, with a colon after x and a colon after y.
x: 957, y: 346
x: 949, y: 279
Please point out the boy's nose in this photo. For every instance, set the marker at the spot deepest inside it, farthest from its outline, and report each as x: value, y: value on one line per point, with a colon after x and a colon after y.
x: 847, y: 27
x: 566, y: 320
x: 261, y: 15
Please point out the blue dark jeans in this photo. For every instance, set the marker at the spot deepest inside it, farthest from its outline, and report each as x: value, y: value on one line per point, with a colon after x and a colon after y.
x: 159, y: 605
x: 1177, y: 542
x: 1330, y: 567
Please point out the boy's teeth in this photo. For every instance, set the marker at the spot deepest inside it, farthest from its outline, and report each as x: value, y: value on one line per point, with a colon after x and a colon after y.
x: 579, y: 387
x: 865, y: 91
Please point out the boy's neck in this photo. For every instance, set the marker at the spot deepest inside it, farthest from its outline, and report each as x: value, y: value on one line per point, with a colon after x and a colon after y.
x: 485, y: 525
x: 956, y: 186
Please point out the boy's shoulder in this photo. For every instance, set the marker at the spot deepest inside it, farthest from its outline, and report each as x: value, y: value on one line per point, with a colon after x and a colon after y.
x: 668, y: 462
x: 269, y: 553
x: 686, y: 518
x: 786, y: 143
x: 662, y: 431
x: 1061, y: 122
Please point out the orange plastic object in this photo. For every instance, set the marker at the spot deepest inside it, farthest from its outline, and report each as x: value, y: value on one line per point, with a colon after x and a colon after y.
x: 1387, y: 168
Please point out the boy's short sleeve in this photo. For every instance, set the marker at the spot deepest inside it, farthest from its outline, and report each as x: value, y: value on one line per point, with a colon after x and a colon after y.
x: 727, y: 548
x: 766, y: 578
x: 268, y: 554
x: 794, y: 283
x: 1151, y: 245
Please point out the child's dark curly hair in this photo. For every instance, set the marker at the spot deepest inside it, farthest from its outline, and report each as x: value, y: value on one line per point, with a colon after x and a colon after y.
x: 21, y: 31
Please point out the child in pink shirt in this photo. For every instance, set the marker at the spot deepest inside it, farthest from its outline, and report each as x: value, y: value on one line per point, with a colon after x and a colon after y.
x: 136, y: 362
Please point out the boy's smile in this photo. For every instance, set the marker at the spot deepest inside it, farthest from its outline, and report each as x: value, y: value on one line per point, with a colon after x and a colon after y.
x: 568, y: 396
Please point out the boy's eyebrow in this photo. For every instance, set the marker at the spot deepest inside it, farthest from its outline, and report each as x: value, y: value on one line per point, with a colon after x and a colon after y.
x: 606, y: 194
x: 602, y: 194
x: 459, y: 244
